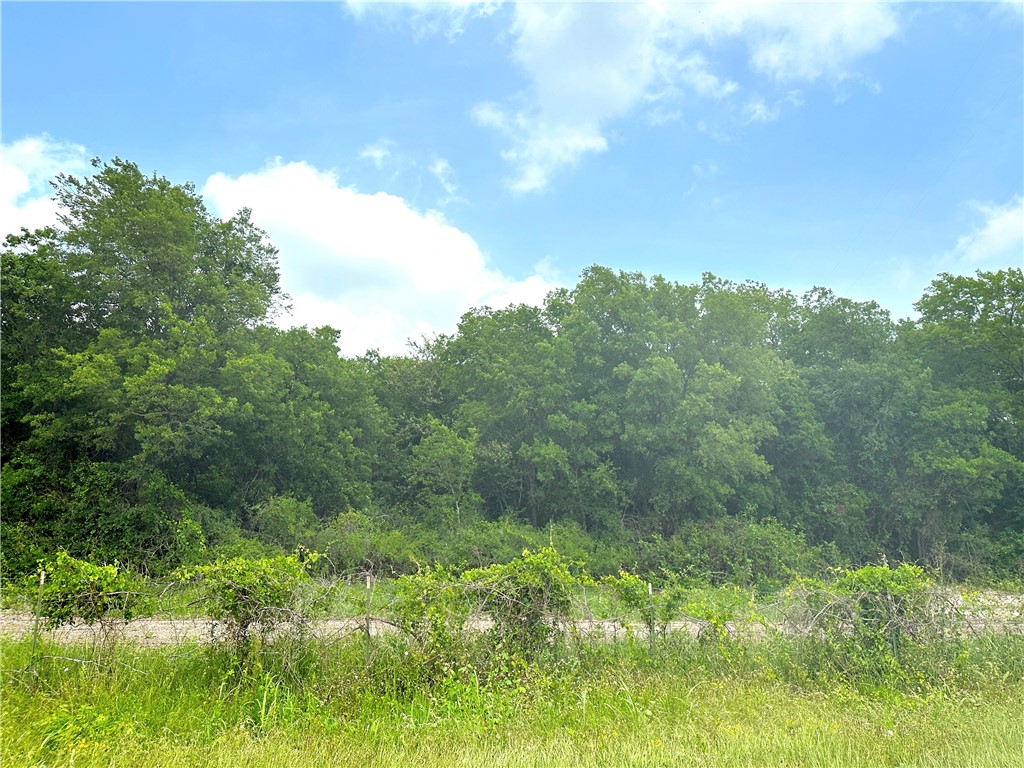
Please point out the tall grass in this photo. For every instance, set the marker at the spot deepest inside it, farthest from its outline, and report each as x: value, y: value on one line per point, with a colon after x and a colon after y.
x: 873, y: 670
x: 611, y: 703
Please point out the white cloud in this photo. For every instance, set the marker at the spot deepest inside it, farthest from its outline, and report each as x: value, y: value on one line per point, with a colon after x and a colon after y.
x: 590, y: 64
x: 798, y: 41
x: 757, y: 110
x: 714, y: 132
x: 26, y: 168
x: 695, y: 71
x: 660, y: 116
x: 586, y: 65
x: 490, y: 115
x: 540, y: 147
x: 428, y: 17
x: 857, y: 80
x: 1014, y: 8
x: 368, y: 264
x: 998, y: 242
x: 379, y: 152
x: 445, y: 175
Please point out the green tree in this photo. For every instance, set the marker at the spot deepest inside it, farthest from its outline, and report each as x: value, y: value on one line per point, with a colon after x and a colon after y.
x: 971, y: 335
x: 145, y: 252
x: 443, y: 465
x: 972, y: 330
x: 138, y: 381
x: 306, y: 424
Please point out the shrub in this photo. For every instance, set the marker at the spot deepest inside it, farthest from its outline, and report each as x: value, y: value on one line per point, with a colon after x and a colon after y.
x: 656, y: 608
x: 527, y: 598
x: 75, y: 590
x: 890, y: 604
x: 253, y: 597
x: 873, y: 620
x: 283, y: 521
x: 762, y: 554
x: 22, y: 550
x: 358, y: 542
x: 433, y: 607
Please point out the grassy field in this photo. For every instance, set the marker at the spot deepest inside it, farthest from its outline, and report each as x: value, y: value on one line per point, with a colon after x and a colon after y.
x: 610, y: 704
x: 878, y: 668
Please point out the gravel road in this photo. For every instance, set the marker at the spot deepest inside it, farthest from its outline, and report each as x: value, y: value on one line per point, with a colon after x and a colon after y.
x: 993, y: 612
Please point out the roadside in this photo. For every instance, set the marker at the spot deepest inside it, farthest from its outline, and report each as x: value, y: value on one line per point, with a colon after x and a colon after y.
x: 984, y: 612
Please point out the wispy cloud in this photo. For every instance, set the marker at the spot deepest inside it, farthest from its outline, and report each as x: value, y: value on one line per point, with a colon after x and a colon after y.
x: 538, y: 147
x: 428, y: 17
x: 704, y: 169
x: 757, y: 110
x: 444, y: 173
x: 588, y: 65
x: 804, y: 42
x: 1014, y: 8
x: 379, y: 153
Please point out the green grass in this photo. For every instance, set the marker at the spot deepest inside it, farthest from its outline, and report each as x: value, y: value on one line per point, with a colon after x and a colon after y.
x: 348, y: 703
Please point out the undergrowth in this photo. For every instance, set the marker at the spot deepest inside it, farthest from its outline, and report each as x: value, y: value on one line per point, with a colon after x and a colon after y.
x: 875, y: 667
x: 608, y: 703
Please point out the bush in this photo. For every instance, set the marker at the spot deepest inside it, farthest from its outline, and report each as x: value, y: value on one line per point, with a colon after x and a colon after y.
x: 284, y: 522
x: 527, y: 598
x: 75, y: 590
x: 480, y: 544
x: 711, y: 608
x: 979, y: 555
x: 890, y: 604
x: 22, y: 550
x: 433, y: 607
x: 873, y: 620
x: 253, y: 597
x: 357, y: 542
x: 765, y: 554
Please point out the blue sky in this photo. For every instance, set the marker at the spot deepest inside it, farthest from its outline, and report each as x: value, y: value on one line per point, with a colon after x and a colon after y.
x: 413, y: 160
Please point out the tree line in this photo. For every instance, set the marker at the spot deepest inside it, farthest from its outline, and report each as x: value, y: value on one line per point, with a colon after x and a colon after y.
x: 153, y: 414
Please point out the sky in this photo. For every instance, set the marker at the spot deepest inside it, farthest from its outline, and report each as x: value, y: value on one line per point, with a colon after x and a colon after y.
x: 412, y: 161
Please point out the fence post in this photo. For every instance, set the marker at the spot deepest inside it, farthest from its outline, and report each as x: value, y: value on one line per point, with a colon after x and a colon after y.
x: 35, y: 625
x: 650, y: 615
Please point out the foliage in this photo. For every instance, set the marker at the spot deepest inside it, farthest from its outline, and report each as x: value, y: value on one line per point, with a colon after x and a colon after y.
x: 253, y: 597
x: 890, y: 603
x: 21, y: 549
x: 284, y: 521
x: 714, y: 609
x: 875, y: 620
x: 765, y: 555
x: 609, y: 700
x: 443, y: 465
x: 75, y: 590
x: 153, y: 414
x: 528, y: 598
x: 973, y: 328
x: 433, y: 607
x: 358, y: 542
x: 637, y: 597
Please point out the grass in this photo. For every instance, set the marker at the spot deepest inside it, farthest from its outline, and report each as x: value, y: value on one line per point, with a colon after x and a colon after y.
x: 609, y: 704
x: 849, y: 695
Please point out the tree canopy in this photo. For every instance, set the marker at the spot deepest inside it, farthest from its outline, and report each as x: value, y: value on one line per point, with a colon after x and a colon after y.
x: 153, y: 413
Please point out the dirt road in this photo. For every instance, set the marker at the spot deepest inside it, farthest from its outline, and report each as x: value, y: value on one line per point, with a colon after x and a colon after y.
x: 991, y: 612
